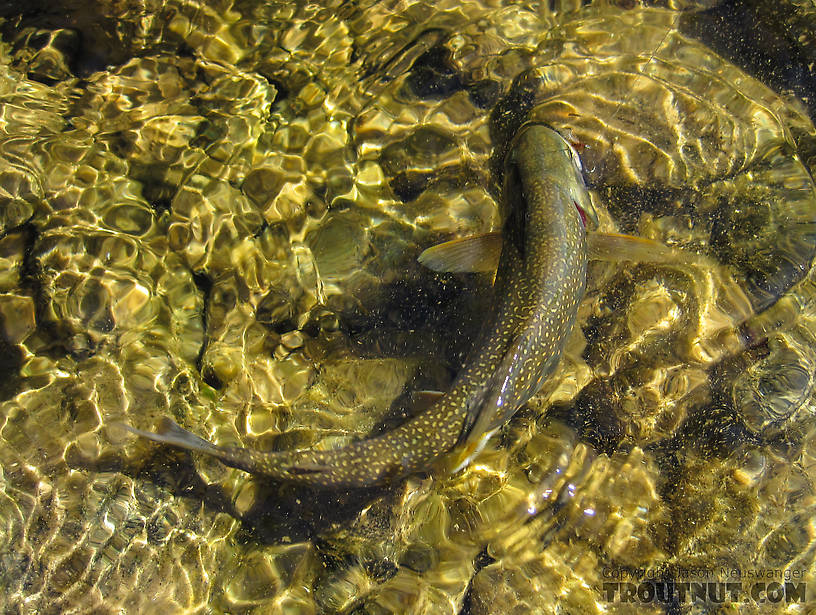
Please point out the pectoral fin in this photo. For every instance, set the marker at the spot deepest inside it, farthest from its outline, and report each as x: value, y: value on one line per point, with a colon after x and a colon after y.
x: 617, y: 247
x: 478, y: 253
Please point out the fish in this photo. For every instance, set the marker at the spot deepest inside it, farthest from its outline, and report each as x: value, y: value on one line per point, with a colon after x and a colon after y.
x: 540, y: 260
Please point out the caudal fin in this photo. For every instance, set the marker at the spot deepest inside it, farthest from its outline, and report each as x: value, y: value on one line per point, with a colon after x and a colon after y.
x: 170, y: 433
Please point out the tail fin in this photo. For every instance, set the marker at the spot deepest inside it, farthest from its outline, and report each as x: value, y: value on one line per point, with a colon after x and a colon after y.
x: 170, y: 433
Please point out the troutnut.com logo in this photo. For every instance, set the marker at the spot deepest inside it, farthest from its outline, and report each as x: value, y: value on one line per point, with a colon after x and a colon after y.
x: 704, y: 585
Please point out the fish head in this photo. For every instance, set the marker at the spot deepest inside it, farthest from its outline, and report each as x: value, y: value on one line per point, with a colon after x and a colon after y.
x: 562, y: 162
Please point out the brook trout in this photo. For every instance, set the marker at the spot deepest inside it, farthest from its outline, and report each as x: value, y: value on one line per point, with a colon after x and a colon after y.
x: 540, y: 281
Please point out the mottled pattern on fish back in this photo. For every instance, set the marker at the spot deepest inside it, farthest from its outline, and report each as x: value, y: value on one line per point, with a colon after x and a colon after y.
x: 405, y: 449
x: 540, y: 285
x: 545, y: 293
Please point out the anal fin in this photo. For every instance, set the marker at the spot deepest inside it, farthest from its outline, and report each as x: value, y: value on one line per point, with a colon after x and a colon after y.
x: 422, y: 400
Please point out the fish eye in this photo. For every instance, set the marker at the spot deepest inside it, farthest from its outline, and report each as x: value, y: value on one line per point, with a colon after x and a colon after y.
x: 576, y: 159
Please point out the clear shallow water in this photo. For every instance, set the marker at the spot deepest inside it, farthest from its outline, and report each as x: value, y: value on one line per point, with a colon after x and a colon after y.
x: 212, y: 212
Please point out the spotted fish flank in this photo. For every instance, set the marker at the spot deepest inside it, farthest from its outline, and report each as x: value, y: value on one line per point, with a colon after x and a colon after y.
x: 540, y: 278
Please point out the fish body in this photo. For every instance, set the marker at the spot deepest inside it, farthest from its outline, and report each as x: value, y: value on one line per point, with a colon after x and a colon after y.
x: 540, y: 281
